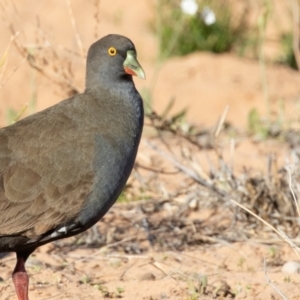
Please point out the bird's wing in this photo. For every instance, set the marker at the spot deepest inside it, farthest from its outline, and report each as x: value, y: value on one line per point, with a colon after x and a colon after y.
x: 45, y: 173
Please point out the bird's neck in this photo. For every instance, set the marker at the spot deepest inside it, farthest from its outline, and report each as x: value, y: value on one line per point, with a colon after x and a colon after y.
x: 120, y: 100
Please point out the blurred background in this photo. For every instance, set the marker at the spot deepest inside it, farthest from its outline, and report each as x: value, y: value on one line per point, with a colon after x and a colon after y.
x: 199, y: 56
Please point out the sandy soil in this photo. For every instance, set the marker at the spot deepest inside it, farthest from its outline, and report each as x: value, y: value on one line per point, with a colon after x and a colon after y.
x: 231, y: 269
x: 203, y: 83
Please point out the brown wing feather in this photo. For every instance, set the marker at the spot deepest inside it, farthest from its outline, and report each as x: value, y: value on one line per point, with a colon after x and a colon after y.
x: 36, y: 192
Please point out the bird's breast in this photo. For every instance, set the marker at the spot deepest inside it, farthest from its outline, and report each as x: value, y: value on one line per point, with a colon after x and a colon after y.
x: 112, y: 164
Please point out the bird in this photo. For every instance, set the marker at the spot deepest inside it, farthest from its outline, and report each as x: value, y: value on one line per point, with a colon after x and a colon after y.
x: 61, y: 169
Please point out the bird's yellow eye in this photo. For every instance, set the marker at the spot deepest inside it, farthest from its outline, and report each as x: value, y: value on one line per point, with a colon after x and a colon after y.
x: 112, y: 51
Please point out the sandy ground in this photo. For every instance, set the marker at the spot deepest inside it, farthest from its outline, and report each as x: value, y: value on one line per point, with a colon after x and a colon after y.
x: 231, y: 269
x: 204, y: 84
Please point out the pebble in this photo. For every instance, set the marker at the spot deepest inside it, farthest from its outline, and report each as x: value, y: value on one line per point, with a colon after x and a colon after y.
x: 147, y: 276
x: 291, y: 267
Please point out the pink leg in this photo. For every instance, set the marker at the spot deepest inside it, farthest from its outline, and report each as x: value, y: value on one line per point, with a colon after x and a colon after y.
x: 21, y: 279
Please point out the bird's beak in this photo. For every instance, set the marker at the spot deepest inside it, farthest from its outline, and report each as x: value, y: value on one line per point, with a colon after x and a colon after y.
x: 132, y: 66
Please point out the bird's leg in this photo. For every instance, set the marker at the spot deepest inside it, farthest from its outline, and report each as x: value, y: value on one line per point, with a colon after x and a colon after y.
x: 20, y: 277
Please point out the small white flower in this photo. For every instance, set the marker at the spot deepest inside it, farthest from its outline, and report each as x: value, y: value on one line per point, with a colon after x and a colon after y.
x: 189, y: 7
x: 208, y: 16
